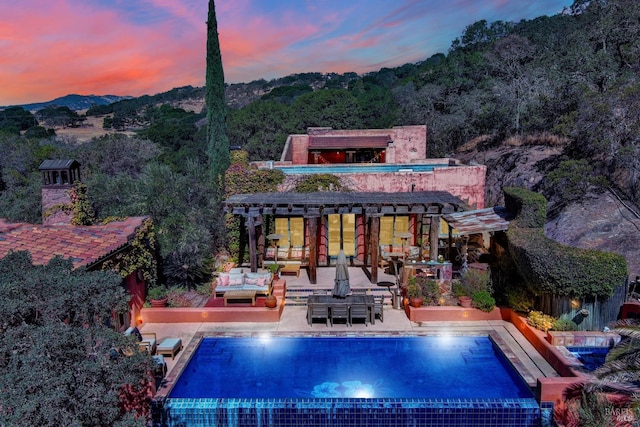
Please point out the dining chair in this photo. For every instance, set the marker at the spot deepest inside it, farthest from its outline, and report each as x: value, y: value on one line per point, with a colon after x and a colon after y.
x: 359, y: 311
x: 339, y: 312
x: 317, y: 311
x: 378, y: 307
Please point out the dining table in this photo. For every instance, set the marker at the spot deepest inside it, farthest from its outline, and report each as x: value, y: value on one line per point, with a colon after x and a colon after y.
x: 348, y: 301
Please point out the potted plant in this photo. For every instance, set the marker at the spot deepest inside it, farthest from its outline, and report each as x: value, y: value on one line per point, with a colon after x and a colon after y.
x: 274, y: 268
x: 158, y: 296
x: 414, y: 293
x: 271, y: 301
x: 461, y: 291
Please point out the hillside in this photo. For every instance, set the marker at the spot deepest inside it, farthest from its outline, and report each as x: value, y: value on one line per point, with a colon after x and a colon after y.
x: 74, y: 102
x: 599, y: 220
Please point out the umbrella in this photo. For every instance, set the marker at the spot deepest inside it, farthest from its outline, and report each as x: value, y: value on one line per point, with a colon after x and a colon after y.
x: 341, y: 288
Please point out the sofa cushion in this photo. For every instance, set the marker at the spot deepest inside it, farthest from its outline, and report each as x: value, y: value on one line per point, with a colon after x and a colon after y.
x: 236, y: 279
x: 236, y: 270
x: 223, y: 279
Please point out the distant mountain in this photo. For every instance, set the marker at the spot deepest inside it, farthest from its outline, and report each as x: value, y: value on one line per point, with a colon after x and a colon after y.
x: 75, y: 102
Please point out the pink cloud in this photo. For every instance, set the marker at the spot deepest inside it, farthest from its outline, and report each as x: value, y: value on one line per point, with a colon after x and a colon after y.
x: 50, y: 49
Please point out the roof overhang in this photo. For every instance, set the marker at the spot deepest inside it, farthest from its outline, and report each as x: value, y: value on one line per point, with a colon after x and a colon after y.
x: 325, y: 203
x: 331, y: 142
x: 479, y: 221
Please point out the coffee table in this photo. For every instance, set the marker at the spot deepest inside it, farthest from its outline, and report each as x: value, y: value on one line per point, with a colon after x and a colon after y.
x: 240, y: 295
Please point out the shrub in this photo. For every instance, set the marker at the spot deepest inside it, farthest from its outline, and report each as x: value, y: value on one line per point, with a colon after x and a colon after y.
x: 459, y: 289
x: 474, y: 280
x: 529, y: 207
x: 413, y: 289
x: 541, y: 321
x: 564, y: 325
x: 483, y: 300
x: 519, y: 299
x: 551, y: 268
x: 319, y: 182
x: 430, y: 292
x: 157, y: 292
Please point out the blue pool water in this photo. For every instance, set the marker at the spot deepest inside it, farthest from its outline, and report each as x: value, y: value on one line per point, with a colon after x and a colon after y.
x: 359, y: 168
x: 387, y: 381
x: 349, y: 367
x: 591, y: 357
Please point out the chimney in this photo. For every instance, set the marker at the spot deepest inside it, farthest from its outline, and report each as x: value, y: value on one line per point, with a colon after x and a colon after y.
x: 58, y: 178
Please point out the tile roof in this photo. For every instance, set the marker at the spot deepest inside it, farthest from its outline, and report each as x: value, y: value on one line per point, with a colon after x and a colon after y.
x: 84, y: 244
x: 478, y: 221
x: 332, y: 142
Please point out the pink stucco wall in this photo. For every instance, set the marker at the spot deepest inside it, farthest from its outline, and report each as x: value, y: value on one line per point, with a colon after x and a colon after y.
x: 409, y: 143
x: 465, y: 182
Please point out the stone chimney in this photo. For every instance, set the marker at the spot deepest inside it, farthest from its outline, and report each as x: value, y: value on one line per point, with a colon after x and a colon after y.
x: 58, y: 177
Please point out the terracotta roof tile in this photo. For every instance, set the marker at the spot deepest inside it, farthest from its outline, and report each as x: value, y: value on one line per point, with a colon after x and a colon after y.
x: 85, y: 244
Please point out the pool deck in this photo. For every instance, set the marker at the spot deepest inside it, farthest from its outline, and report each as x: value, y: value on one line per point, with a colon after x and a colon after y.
x: 524, y: 357
x: 529, y: 363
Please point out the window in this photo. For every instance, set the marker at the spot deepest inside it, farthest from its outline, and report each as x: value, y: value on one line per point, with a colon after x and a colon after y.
x: 390, y: 226
x: 341, y: 229
x: 291, y: 230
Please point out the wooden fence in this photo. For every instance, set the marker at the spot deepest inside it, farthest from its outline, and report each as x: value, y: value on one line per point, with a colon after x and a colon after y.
x: 590, y: 314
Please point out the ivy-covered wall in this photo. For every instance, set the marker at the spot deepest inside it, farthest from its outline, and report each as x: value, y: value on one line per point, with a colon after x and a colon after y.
x: 241, y: 178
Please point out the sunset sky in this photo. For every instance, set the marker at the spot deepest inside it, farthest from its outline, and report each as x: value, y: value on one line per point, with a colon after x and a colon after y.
x: 136, y: 47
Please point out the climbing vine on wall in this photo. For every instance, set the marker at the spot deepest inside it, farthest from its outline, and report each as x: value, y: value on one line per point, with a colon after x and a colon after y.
x: 83, y: 213
x: 140, y: 256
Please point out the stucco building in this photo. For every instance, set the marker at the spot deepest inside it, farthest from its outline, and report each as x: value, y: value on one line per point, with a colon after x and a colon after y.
x: 398, y: 196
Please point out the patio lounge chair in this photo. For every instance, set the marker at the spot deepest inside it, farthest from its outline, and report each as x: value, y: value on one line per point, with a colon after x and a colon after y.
x: 169, y: 346
x: 146, y: 340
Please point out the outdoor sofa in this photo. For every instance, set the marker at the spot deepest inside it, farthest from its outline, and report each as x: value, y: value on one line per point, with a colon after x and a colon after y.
x: 240, y: 279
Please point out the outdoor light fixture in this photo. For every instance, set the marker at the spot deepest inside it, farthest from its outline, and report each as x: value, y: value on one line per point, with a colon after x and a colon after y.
x: 575, y: 304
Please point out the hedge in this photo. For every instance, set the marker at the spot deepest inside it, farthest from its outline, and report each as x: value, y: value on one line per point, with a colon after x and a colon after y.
x: 529, y: 208
x: 549, y: 267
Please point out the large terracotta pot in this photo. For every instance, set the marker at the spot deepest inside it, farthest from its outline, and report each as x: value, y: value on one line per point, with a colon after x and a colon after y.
x: 159, y: 302
x: 416, y: 302
x: 465, y: 301
x: 271, y: 302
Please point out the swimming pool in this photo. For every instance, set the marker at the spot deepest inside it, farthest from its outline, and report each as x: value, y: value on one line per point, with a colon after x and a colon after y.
x: 385, y: 367
x: 359, y: 168
x: 378, y: 381
x: 591, y: 357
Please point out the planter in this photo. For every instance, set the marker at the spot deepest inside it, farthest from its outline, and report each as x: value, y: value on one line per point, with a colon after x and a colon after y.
x: 271, y: 302
x: 465, y: 301
x: 416, y: 302
x: 159, y: 302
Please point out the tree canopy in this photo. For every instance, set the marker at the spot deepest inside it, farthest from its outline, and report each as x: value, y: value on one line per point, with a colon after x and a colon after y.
x: 61, y: 362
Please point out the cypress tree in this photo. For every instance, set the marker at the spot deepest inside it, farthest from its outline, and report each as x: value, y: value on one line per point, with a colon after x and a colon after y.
x: 217, y: 140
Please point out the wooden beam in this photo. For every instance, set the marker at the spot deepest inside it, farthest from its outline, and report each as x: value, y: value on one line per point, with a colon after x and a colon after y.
x: 374, y: 234
x: 253, y: 253
x: 434, y: 234
x: 313, y: 249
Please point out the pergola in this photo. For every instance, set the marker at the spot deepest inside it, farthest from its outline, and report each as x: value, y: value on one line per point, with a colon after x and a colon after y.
x: 313, y: 206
